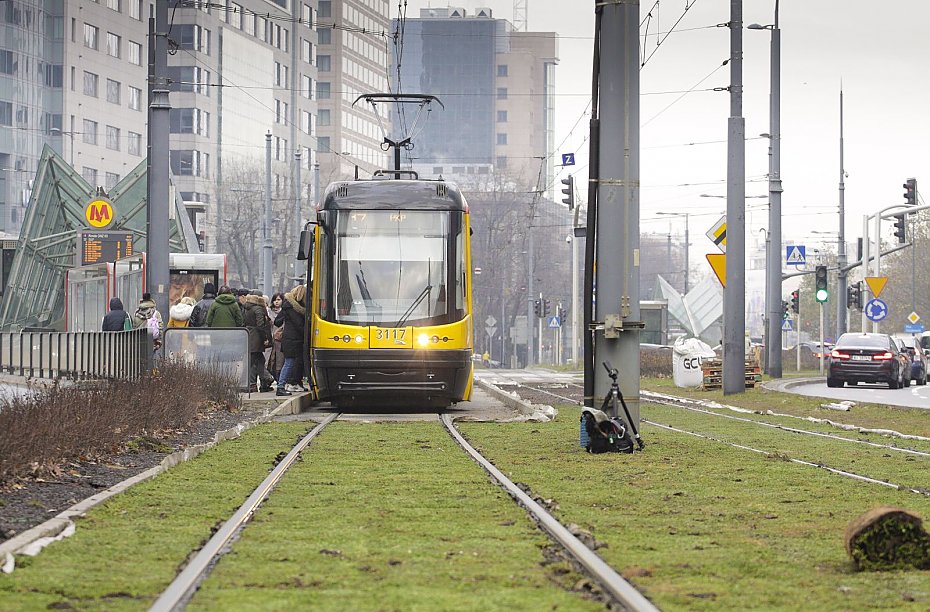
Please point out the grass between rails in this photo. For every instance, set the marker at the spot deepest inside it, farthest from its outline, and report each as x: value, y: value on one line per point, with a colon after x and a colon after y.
x: 389, y: 516
x: 873, y: 416
x: 699, y: 525
x: 126, y: 551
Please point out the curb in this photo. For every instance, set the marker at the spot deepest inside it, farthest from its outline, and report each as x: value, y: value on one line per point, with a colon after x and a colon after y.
x: 511, y: 400
x: 31, y: 541
x: 785, y: 385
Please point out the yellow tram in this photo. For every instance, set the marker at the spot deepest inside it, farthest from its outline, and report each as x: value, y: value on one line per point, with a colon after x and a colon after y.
x: 390, y: 317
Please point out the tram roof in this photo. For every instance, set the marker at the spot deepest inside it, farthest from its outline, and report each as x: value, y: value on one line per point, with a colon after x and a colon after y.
x: 393, y: 194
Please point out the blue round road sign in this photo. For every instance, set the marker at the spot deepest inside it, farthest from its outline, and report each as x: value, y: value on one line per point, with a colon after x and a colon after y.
x: 876, y: 310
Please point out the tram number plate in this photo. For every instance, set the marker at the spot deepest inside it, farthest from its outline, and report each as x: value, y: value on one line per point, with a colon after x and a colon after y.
x: 391, y: 337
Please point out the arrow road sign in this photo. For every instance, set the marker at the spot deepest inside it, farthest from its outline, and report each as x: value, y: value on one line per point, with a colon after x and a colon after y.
x: 796, y: 255
x: 876, y: 310
x: 568, y: 159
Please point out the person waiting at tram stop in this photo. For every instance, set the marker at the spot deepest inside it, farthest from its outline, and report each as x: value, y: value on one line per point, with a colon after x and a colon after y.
x: 117, y: 319
x: 255, y: 319
x: 179, y: 315
x: 225, y: 311
x: 293, y: 310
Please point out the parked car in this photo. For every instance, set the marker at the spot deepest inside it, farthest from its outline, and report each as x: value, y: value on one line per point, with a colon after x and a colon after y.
x: 906, y: 361
x: 859, y: 357
x: 815, y: 350
x: 918, y: 359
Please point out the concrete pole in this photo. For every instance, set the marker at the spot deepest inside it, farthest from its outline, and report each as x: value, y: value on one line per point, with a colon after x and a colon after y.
x: 298, y: 188
x: 617, y: 249
x: 841, y: 258
x: 530, y: 315
x: 575, y: 302
x: 866, y: 247
x: 157, y: 276
x: 734, y: 296
x: 773, y: 269
x: 267, y: 248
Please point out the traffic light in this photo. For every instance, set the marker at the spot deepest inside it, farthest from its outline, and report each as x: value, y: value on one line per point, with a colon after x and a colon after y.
x: 822, y: 294
x: 796, y: 301
x: 899, y: 228
x: 569, y: 198
x: 562, y: 314
x: 784, y: 310
x: 537, y: 307
x: 854, y: 295
x: 910, y: 192
x: 546, y: 309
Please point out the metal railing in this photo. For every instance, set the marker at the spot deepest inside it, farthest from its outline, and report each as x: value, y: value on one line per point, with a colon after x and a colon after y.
x: 125, y: 355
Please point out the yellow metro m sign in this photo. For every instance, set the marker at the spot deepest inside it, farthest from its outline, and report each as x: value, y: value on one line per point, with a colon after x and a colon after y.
x: 99, y: 213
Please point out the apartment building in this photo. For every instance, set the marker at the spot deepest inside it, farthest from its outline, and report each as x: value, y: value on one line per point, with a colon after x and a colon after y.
x: 497, y: 89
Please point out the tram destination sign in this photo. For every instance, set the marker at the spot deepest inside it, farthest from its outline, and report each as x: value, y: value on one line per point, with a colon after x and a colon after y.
x: 103, y: 247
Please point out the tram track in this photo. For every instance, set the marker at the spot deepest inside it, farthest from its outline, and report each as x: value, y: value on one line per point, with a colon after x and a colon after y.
x: 615, y: 588
x: 682, y: 403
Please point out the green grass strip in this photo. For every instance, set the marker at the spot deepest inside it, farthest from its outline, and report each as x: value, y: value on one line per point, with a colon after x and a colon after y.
x: 697, y: 525
x: 127, y: 550
x: 389, y: 516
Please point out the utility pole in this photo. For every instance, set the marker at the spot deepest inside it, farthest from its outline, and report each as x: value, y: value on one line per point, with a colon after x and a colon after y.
x: 267, y: 248
x: 841, y: 259
x: 530, y: 315
x: 617, y: 319
x: 157, y: 276
x: 734, y: 296
x: 297, y: 225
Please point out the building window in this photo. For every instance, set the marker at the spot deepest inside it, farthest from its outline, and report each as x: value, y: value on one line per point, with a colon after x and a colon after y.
x: 324, y: 36
x: 7, y: 62
x: 90, y: 84
x: 135, y: 98
x: 113, y: 44
x: 306, y: 50
x: 502, y: 116
x: 280, y: 111
x: 192, y: 37
x: 324, y: 9
x: 113, y: 89
x: 112, y: 138
x: 501, y: 162
x: 53, y: 75
x: 502, y: 70
x: 90, y: 175
x: 235, y: 15
x: 22, y: 117
x: 501, y: 93
x: 306, y: 86
x: 181, y: 121
x: 134, y: 144
x: 261, y: 25
x: 323, y: 117
x: 135, y: 9
x: 112, y: 179
x: 135, y: 53
x: 324, y: 63
x: 306, y: 122
x: 90, y: 36
x: 306, y: 15
x: 248, y: 24
x: 6, y: 114
x: 322, y: 144
x: 322, y: 90
x: 502, y: 139
x: 115, y: 5
x: 182, y: 162
x: 89, y: 132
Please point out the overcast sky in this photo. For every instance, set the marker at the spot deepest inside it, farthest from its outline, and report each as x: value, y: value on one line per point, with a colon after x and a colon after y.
x: 878, y: 52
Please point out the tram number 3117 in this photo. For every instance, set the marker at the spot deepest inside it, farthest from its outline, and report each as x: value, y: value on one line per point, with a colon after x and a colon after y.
x: 391, y: 334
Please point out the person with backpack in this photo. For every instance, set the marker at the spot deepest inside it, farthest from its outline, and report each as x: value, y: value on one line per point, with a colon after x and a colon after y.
x: 255, y: 320
x: 179, y: 315
x: 199, y: 314
x: 145, y: 311
x: 117, y: 319
x: 292, y: 314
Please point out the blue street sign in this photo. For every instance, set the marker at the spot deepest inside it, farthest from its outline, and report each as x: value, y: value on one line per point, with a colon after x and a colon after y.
x: 913, y: 328
x: 876, y: 310
x: 786, y: 325
x: 554, y: 322
x: 568, y: 159
x: 796, y: 255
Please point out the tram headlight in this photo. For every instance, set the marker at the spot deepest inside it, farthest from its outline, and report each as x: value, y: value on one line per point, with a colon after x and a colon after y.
x: 423, y: 340
x: 358, y: 339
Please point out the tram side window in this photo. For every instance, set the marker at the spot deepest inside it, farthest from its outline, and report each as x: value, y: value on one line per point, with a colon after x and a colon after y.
x: 460, y: 271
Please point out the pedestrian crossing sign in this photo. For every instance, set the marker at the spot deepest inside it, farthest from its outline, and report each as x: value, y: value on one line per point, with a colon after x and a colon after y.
x: 796, y: 255
x: 786, y: 325
x: 555, y: 322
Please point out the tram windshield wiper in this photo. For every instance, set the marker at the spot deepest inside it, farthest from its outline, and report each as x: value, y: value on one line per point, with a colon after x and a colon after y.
x: 416, y: 302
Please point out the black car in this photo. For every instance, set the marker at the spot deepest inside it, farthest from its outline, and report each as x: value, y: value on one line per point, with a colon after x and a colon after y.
x: 858, y: 357
x: 907, y: 360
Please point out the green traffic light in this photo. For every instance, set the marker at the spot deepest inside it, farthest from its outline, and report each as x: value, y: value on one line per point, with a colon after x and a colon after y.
x: 822, y: 295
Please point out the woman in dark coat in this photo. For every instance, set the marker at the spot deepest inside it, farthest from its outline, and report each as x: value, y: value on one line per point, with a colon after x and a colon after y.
x: 115, y: 320
x: 292, y: 314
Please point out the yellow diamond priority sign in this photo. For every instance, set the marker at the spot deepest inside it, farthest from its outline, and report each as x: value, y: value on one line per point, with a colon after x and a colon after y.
x: 913, y: 318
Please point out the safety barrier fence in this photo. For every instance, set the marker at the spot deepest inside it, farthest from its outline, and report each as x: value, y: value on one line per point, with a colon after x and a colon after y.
x: 123, y: 355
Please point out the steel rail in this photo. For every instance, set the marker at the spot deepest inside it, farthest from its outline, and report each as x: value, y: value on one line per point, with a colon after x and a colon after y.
x: 186, y: 582
x: 597, y: 568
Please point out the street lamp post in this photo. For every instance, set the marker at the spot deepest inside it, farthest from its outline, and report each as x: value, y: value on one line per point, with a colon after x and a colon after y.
x: 268, y: 247
x: 773, y: 269
x: 687, y: 241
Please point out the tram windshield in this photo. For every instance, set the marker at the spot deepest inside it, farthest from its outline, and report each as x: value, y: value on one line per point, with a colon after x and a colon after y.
x: 396, y: 268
